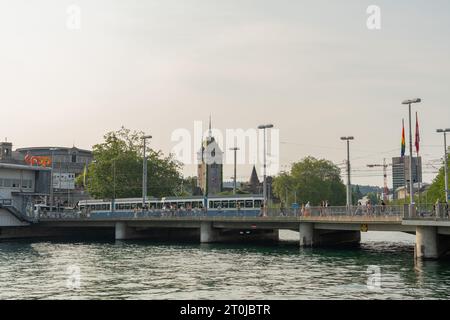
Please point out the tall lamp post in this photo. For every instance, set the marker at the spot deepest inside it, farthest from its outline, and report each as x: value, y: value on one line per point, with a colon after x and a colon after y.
x: 144, y: 172
x: 411, y: 181
x: 349, y: 191
x: 444, y: 131
x: 235, y: 149
x: 264, y: 127
x: 113, y: 209
x: 52, y: 199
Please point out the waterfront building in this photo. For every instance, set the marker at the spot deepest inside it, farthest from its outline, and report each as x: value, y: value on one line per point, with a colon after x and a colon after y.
x: 67, y: 164
x: 400, y: 171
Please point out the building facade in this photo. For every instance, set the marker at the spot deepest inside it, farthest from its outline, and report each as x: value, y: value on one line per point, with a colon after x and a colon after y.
x: 401, y: 171
x: 66, y: 163
x: 210, y: 167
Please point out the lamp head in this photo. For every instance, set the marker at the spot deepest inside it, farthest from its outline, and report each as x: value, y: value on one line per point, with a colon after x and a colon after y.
x: 417, y: 100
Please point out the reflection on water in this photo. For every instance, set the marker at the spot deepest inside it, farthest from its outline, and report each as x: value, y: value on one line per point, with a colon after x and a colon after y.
x: 145, y: 270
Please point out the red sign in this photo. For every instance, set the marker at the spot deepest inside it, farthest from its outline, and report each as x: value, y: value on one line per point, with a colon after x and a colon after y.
x: 40, y: 161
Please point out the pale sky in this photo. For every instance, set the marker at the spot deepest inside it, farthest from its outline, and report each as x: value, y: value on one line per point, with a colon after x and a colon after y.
x: 312, y: 68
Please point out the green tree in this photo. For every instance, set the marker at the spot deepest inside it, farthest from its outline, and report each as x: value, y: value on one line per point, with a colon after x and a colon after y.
x: 117, y: 168
x: 437, y: 188
x: 356, y: 194
x: 312, y: 180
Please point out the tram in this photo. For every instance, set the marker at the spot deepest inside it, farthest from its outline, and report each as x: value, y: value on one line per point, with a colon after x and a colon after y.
x: 236, y: 205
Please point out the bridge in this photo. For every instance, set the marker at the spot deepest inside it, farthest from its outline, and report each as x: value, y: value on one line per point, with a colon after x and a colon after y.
x: 317, y: 226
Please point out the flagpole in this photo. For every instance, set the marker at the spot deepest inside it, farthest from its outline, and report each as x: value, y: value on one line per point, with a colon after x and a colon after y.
x: 417, y: 153
x: 403, y: 157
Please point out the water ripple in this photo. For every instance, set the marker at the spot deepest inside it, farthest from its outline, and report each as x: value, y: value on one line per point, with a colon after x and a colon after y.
x: 144, y: 270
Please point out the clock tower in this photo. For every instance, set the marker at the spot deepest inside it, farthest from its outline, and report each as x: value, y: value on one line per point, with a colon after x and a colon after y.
x: 210, y: 167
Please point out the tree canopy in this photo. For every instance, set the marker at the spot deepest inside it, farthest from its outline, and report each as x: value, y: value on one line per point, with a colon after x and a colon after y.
x: 117, y: 168
x: 311, y: 180
x: 437, y: 188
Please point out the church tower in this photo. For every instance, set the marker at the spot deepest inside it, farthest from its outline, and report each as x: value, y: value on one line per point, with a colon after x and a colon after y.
x: 210, y: 167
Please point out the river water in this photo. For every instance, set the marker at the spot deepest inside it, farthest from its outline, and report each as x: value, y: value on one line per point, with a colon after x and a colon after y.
x: 382, y: 267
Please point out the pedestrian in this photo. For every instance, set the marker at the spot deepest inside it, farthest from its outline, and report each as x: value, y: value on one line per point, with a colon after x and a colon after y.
x: 307, y: 209
x: 282, y: 209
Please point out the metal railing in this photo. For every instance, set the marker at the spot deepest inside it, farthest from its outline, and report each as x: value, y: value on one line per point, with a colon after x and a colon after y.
x: 13, y: 207
x: 438, y: 211
x: 336, y: 211
x: 353, y: 211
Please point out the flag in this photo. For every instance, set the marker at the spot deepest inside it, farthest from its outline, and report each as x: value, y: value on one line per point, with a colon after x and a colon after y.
x: 417, y: 135
x: 403, y: 139
x: 84, y: 175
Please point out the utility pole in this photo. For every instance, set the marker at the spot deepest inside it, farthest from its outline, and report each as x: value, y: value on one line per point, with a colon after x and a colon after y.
x: 235, y: 149
x: 444, y: 131
x: 51, y: 180
x: 264, y: 127
x: 411, y: 181
x: 349, y: 191
x: 384, y: 166
x: 144, y: 172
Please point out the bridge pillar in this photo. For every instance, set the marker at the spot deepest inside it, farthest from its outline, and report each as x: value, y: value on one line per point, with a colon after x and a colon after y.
x: 306, y: 230
x: 207, y: 232
x: 122, y: 231
x: 426, y: 243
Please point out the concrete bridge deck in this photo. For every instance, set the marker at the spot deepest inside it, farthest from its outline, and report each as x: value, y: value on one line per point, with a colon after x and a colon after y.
x: 330, y: 226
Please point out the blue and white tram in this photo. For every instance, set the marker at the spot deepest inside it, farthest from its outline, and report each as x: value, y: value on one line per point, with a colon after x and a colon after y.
x: 238, y: 205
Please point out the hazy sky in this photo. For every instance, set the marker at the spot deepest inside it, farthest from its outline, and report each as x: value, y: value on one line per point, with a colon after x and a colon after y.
x: 310, y: 67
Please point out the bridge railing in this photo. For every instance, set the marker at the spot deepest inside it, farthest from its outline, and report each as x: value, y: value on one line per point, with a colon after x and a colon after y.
x: 438, y: 211
x: 374, y: 211
x: 335, y: 211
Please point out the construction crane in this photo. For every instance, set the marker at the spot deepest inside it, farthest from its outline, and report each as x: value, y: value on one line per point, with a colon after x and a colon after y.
x: 384, y: 166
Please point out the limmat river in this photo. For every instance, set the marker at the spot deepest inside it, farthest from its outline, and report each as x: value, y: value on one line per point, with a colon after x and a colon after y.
x: 383, y: 267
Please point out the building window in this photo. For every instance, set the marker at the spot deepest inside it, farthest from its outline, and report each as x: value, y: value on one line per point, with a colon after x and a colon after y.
x: 74, y: 157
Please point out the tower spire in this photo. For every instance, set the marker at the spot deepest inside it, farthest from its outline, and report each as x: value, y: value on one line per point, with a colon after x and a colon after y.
x: 210, y: 128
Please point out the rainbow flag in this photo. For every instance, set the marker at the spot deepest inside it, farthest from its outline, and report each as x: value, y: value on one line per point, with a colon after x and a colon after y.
x: 403, y: 139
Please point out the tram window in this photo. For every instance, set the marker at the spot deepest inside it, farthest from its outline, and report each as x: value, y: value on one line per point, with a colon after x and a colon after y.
x: 121, y: 206
x: 211, y: 204
x: 241, y: 203
x: 217, y: 204
x: 232, y: 204
x: 249, y: 203
x: 108, y: 207
x: 104, y: 207
x: 195, y: 204
x: 258, y: 203
x: 159, y: 205
x: 133, y: 205
x: 225, y: 204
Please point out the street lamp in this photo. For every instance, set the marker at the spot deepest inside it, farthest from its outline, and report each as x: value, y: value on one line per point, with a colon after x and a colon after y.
x: 411, y: 182
x: 235, y: 149
x: 144, y: 172
x: 264, y: 127
x: 349, y: 194
x: 51, y: 181
x: 444, y: 131
x: 113, y: 209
